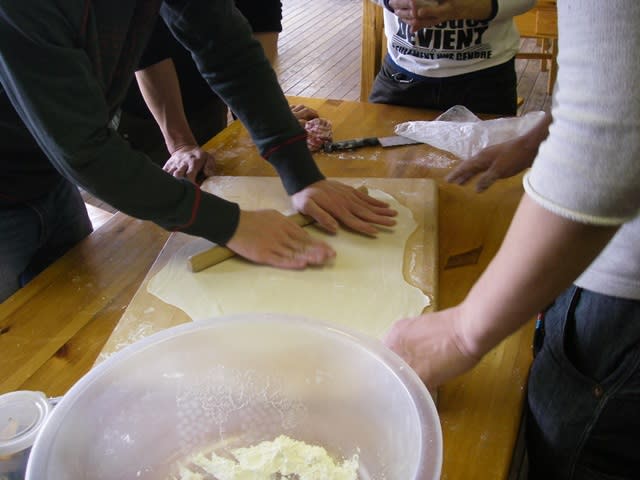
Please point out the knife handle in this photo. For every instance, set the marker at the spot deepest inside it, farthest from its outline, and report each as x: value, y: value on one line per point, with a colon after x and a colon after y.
x: 350, y: 144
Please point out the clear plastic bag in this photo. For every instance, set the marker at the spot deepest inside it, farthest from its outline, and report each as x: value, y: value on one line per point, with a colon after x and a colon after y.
x: 462, y: 133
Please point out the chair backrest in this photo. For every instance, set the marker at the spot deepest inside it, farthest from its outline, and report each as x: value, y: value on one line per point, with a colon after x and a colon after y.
x: 374, y: 46
x: 539, y: 22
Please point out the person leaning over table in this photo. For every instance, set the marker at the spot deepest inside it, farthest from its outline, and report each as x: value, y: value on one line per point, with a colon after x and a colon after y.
x: 64, y: 70
x: 574, y: 243
x: 466, y: 60
x: 171, y: 110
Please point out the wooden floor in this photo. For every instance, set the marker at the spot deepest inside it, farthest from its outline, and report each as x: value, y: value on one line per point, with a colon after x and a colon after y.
x: 319, y: 48
x: 319, y: 56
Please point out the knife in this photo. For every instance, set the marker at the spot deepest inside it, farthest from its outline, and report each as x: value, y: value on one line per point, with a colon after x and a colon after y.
x: 392, y: 141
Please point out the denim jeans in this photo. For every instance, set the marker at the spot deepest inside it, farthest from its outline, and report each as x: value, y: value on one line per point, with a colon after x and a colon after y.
x: 583, y: 419
x: 492, y: 90
x: 34, y: 234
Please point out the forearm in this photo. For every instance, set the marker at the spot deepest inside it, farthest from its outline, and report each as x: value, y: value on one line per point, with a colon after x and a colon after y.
x: 542, y: 254
x: 203, y: 27
x: 511, y: 8
x: 256, y: 98
x: 160, y: 88
x: 530, y: 142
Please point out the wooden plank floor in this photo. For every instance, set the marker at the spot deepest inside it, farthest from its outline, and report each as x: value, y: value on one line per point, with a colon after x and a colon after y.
x: 319, y: 56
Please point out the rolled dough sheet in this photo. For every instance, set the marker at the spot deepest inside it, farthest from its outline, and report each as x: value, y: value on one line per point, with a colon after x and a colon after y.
x: 363, y: 288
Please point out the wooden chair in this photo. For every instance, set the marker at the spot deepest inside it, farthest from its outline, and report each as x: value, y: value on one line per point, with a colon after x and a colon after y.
x: 374, y: 46
x: 540, y: 23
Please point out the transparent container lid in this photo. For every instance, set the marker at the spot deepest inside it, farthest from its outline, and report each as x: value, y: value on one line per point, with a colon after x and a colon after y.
x: 22, y: 413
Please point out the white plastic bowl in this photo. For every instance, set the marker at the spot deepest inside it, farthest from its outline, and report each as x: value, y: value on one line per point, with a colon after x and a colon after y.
x: 235, y: 381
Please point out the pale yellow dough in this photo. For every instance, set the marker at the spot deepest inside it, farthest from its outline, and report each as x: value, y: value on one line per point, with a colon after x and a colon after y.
x: 284, y: 456
x: 364, y: 288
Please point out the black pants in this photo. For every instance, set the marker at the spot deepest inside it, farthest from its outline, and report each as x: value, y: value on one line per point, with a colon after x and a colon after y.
x: 492, y: 90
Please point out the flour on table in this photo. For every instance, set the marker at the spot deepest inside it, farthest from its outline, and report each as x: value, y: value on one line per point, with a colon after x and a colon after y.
x: 363, y: 288
x: 283, y: 457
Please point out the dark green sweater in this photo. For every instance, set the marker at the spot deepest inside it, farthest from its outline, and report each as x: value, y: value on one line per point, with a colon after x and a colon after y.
x: 65, y: 67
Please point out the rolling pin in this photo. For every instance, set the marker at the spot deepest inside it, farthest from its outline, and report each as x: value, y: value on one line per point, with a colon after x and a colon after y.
x: 218, y: 253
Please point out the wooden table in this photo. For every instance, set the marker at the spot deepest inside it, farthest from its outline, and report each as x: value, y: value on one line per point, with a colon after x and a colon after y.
x: 52, y: 331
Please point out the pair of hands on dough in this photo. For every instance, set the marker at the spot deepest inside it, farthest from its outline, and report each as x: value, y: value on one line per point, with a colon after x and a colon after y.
x: 268, y: 237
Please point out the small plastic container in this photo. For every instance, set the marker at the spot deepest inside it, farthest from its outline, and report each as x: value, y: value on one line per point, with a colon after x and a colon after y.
x: 22, y: 414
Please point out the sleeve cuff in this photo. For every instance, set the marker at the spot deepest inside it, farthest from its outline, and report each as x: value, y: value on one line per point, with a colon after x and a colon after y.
x: 566, y: 212
x: 294, y: 164
x: 494, y: 10
x: 212, y: 217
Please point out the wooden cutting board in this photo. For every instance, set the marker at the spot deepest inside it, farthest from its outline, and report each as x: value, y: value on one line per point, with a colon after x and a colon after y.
x: 420, y: 262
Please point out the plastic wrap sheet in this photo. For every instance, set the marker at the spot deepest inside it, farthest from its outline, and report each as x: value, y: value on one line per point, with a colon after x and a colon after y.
x: 462, y: 133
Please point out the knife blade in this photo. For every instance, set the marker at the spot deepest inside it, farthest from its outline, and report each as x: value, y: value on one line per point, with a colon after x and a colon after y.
x: 392, y: 141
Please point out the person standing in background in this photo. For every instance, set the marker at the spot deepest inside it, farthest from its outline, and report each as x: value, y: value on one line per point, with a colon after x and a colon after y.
x: 172, y: 129
x: 265, y: 18
x: 170, y: 111
x: 465, y: 60
x: 193, y: 105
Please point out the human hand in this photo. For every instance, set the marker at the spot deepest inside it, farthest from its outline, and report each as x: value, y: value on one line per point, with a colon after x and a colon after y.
x: 432, y: 345
x: 268, y: 237
x: 330, y: 202
x: 494, y: 162
x: 187, y: 161
x: 303, y: 113
x: 427, y: 13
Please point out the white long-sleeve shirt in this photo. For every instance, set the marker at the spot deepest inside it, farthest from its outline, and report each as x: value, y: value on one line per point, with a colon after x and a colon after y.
x: 458, y: 46
x: 588, y: 169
